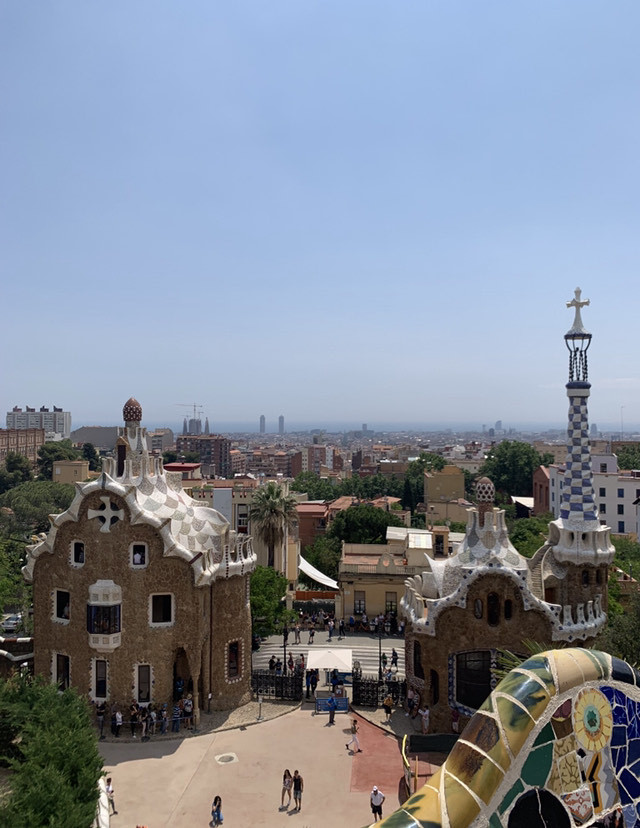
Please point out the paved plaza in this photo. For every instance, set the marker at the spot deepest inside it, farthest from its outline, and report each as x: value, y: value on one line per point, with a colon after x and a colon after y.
x: 171, y: 782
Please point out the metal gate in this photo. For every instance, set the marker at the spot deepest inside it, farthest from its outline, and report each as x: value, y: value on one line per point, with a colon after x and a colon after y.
x: 369, y: 691
x: 267, y: 684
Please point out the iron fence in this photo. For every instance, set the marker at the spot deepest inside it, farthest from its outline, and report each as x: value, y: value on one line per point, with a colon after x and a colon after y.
x: 267, y: 684
x: 369, y: 691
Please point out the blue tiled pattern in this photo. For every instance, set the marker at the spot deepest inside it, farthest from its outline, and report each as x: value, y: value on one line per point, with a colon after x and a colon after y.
x: 577, y: 496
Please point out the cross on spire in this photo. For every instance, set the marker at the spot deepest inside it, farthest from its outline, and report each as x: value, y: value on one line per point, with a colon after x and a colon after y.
x: 578, y: 304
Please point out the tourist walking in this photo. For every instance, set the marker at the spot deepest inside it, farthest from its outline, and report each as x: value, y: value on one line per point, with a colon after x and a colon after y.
x: 314, y: 681
x: 341, y: 631
x: 331, y: 625
x: 307, y: 681
x: 388, y: 705
x: 311, y: 634
x: 425, y: 718
x: 332, y: 705
x: 296, y: 630
x: 287, y: 784
x: 377, y: 798
x: 298, y: 787
x: 354, y: 737
x: 216, y: 811
x: 394, y: 658
x: 118, y: 722
x: 111, y: 796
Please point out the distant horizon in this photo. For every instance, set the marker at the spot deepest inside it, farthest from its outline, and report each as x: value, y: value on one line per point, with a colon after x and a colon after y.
x: 342, y: 426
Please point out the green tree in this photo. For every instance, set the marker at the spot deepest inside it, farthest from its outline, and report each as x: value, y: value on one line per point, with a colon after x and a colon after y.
x: 511, y: 464
x: 50, y: 452
x: 272, y: 513
x: 268, y: 589
x: 169, y: 457
x: 427, y: 461
x: 629, y: 457
x: 363, y: 524
x: 27, y: 507
x: 316, y: 488
x: 324, y: 554
x: 620, y: 637
x: 15, y: 593
x: 89, y: 453
x: 190, y: 457
x: 528, y: 534
x: 47, y: 739
x: 16, y: 470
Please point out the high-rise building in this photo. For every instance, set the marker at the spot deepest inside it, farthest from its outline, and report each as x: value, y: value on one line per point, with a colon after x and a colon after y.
x: 53, y: 422
x: 263, y: 423
x: 281, y: 424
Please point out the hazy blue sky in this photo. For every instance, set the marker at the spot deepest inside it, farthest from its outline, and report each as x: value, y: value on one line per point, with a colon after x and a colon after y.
x: 354, y: 211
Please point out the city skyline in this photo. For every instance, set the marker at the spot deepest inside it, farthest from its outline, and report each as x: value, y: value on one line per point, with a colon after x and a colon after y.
x: 384, y: 209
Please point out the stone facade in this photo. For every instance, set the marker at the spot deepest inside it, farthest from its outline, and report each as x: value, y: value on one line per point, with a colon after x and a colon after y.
x: 137, y: 585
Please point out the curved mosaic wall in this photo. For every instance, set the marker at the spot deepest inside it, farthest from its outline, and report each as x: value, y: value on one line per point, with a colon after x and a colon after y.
x: 557, y: 743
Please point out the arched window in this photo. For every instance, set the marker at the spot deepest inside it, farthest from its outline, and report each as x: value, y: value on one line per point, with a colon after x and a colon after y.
x: 493, y: 609
x: 585, y: 577
x: 477, y: 608
x: 598, y: 576
x: 418, y: 670
x: 508, y: 609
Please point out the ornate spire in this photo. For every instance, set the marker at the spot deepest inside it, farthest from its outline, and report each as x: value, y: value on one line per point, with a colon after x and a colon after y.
x: 578, y: 503
x: 577, y: 340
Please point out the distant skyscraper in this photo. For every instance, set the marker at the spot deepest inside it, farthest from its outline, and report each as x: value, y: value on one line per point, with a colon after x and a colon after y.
x: 206, y: 425
x: 498, y: 425
x: 594, y: 430
x: 262, y: 424
x: 365, y: 427
x: 185, y: 427
x: 281, y: 424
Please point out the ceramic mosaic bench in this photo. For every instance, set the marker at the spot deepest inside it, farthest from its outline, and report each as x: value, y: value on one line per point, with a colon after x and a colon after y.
x: 556, y: 744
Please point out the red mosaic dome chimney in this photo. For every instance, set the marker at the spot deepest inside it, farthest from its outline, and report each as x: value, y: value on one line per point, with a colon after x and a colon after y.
x: 132, y: 411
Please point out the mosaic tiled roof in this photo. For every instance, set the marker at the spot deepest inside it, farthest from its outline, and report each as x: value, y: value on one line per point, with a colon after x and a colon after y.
x: 189, y: 530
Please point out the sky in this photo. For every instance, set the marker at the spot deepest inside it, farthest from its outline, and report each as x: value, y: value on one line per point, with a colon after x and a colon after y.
x: 338, y: 211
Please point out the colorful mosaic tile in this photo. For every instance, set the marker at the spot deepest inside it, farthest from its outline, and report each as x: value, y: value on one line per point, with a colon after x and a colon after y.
x: 579, y: 756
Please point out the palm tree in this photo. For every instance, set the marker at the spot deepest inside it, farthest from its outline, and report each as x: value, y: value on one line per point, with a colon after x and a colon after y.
x: 272, y: 513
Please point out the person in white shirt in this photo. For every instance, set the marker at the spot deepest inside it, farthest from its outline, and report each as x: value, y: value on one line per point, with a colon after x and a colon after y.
x: 377, y: 798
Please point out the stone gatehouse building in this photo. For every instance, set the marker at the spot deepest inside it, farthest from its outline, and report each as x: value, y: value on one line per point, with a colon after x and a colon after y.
x: 462, y: 610
x: 138, y: 589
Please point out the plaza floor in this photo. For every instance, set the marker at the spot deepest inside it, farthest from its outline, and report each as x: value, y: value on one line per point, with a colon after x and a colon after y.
x: 171, y: 782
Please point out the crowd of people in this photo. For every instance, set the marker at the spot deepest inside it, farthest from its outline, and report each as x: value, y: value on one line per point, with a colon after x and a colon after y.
x: 146, y: 720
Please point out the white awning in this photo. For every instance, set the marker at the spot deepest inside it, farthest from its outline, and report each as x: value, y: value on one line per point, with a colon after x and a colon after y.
x: 326, y: 659
x: 318, y: 576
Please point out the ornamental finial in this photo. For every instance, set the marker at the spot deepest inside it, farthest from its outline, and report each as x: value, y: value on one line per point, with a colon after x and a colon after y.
x: 577, y: 303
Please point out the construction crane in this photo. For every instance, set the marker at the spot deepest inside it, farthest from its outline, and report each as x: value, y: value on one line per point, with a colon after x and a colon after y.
x: 197, y: 408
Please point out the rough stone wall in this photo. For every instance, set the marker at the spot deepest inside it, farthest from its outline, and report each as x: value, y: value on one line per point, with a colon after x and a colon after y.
x: 458, y: 630
x: 107, y: 556
x: 230, y: 622
x: 571, y: 589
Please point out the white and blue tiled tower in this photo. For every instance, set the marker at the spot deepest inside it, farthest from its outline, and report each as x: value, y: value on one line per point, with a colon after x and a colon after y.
x: 578, y: 504
x: 580, y: 545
